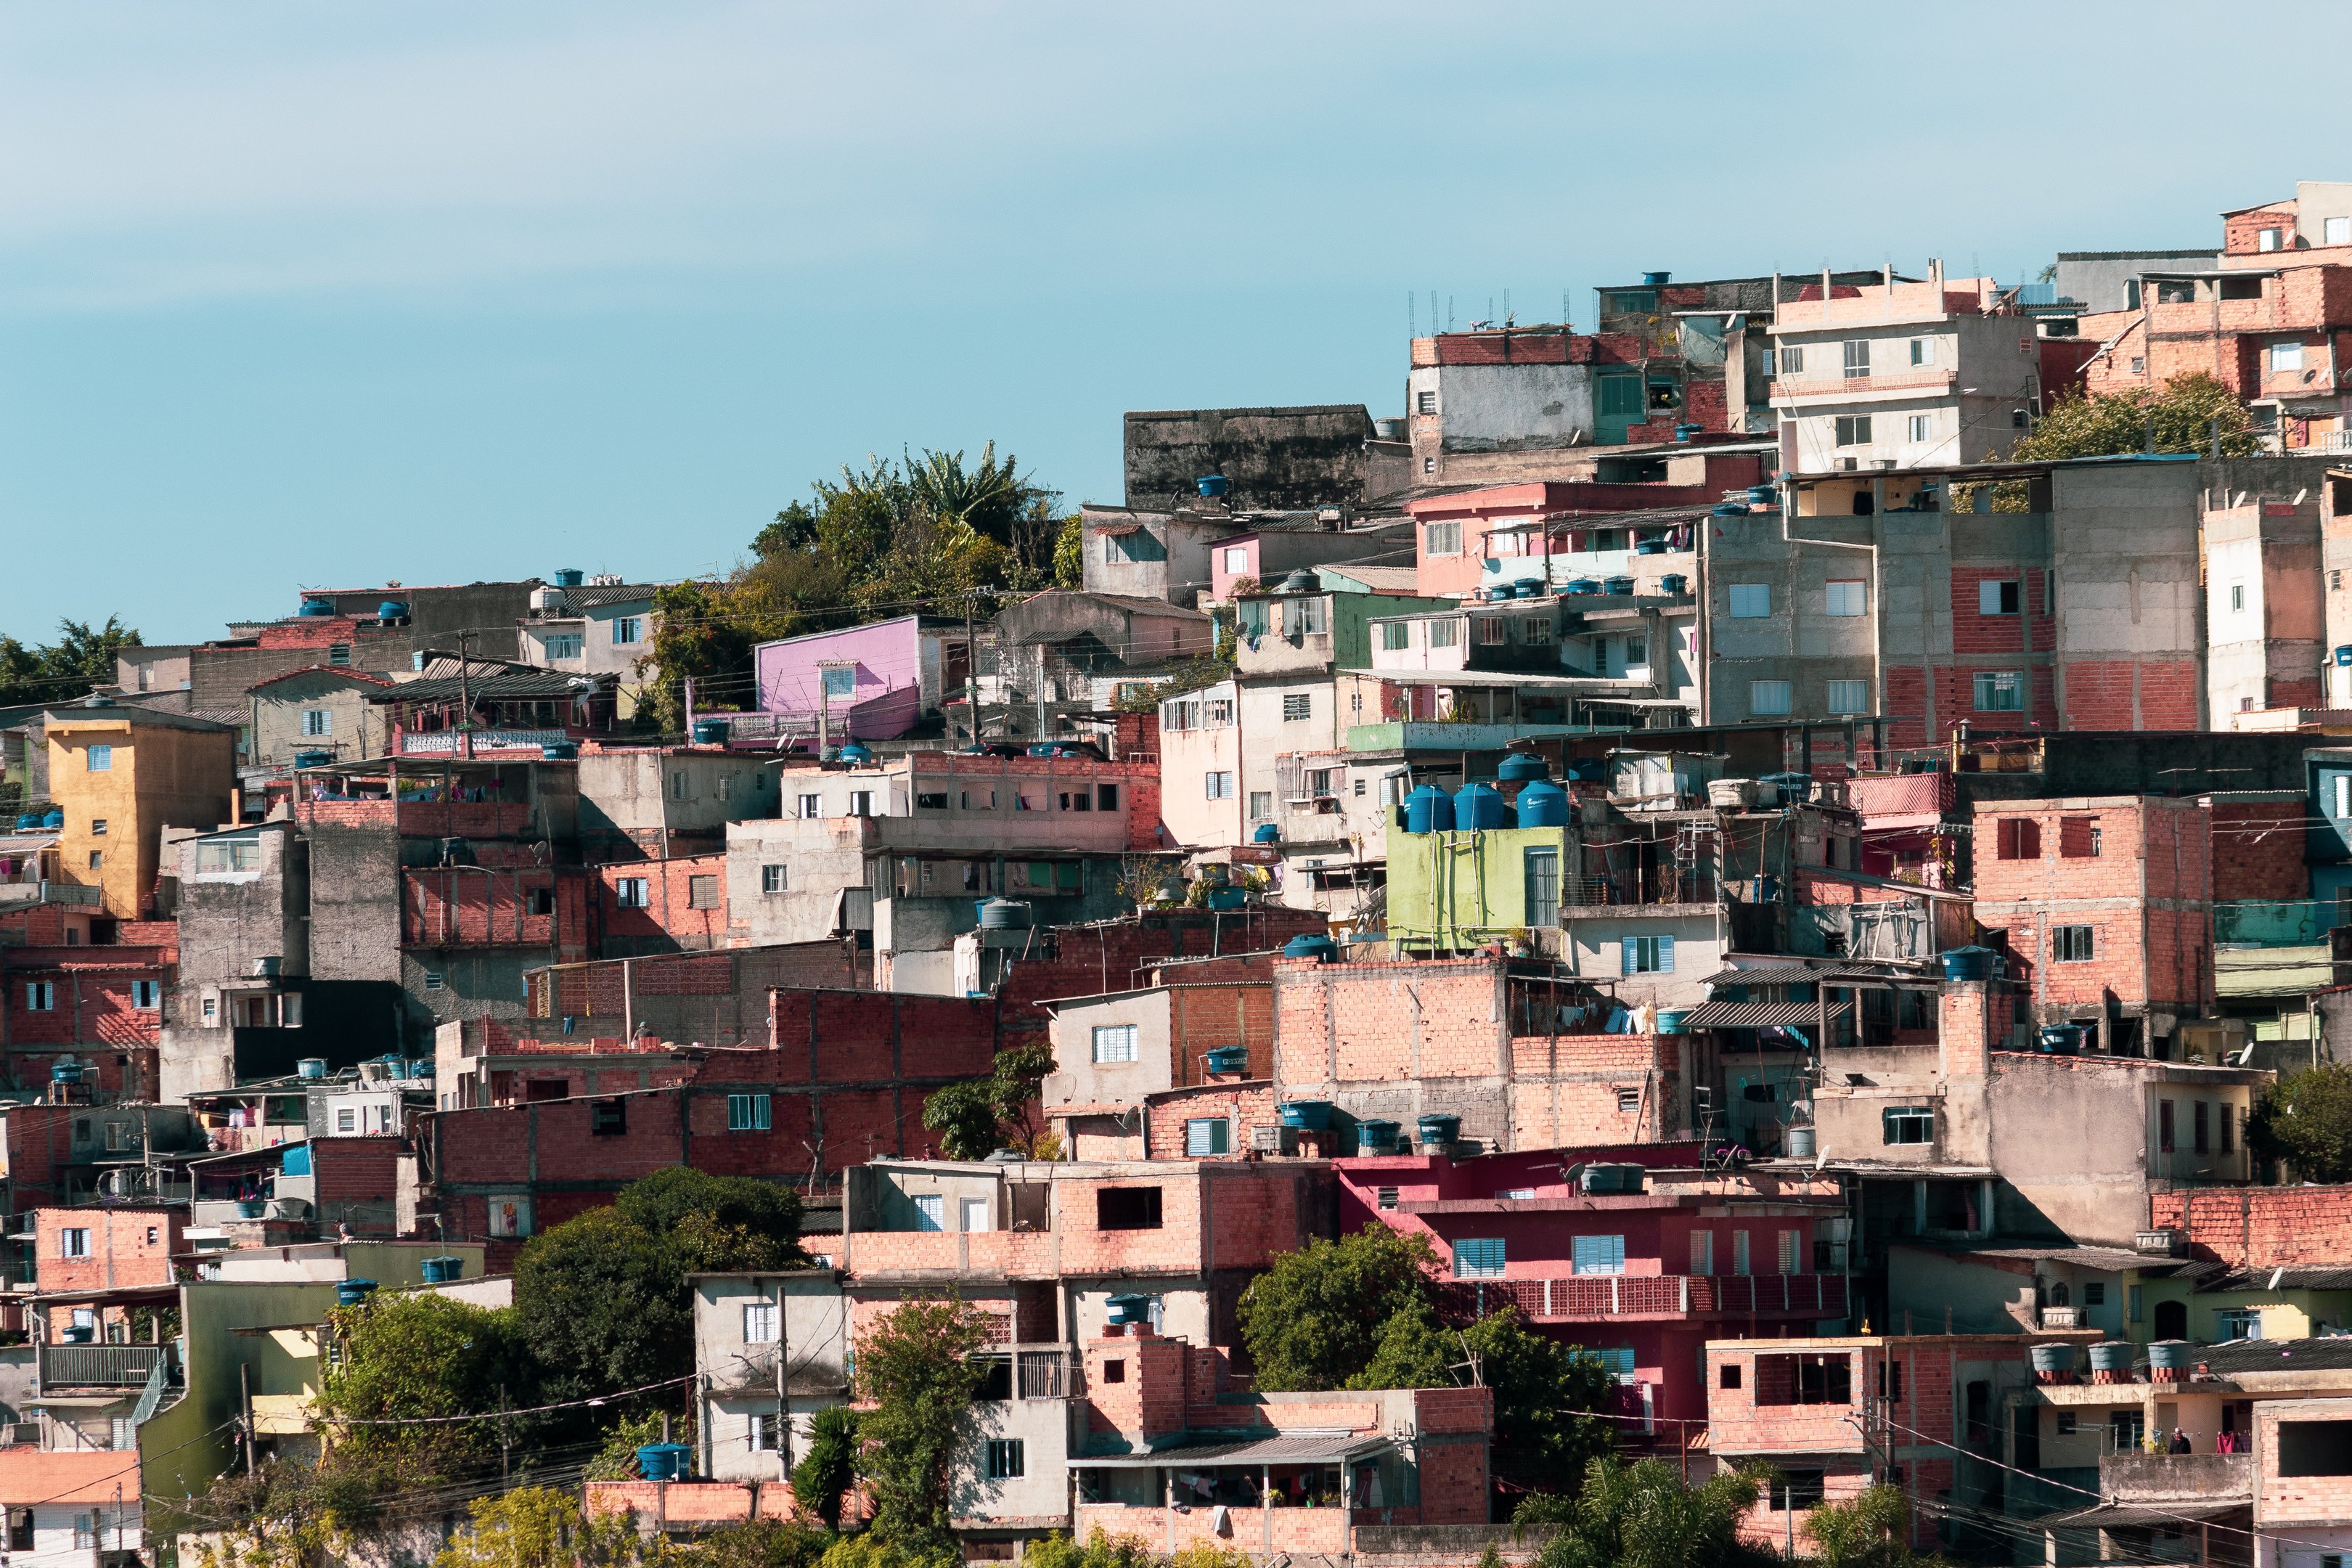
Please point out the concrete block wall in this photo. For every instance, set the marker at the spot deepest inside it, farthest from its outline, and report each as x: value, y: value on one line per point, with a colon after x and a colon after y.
x: 2258, y: 847
x: 2259, y: 1227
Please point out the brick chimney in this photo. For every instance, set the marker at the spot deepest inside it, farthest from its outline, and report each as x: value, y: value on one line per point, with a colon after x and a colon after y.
x: 1135, y: 1384
x: 1973, y: 1020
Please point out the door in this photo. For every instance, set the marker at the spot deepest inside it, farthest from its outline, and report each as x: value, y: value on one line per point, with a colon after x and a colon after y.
x: 975, y: 1215
x: 2172, y: 1319
x: 1617, y: 407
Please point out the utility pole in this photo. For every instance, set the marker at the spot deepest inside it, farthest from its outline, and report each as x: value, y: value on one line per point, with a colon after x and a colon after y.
x: 783, y: 1405
x: 245, y: 1403
x: 465, y: 697
x: 971, y: 668
x: 503, y: 1446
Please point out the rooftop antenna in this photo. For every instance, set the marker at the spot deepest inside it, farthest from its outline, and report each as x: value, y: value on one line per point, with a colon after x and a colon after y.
x: 1449, y: 312
x: 1507, y: 307
x: 1564, y: 319
x: 1411, y: 307
x: 1433, y: 312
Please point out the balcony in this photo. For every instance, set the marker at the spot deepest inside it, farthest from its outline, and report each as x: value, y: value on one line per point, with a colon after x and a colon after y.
x: 450, y: 743
x: 1657, y: 1298
x: 125, y: 1367
x: 2135, y: 1478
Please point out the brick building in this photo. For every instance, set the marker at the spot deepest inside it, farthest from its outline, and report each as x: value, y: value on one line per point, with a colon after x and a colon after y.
x: 99, y: 1007
x: 649, y: 906
x: 1644, y: 1278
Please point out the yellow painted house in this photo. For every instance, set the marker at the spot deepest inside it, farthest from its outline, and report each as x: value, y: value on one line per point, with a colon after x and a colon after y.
x: 121, y: 774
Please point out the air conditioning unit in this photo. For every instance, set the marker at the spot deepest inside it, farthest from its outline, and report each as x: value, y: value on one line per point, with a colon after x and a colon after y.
x: 1274, y: 1139
x: 2157, y: 1243
x: 1848, y: 465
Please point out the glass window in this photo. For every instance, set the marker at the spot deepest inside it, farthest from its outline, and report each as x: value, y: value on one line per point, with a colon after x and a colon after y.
x: 2000, y: 691
x: 1237, y: 560
x: 2286, y: 355
x: 635, y: 892
x: 773, y: 880
x: 1219, y: 786
x: 1598, y: 1254
x: 99, y: 760
x: 1998, y: 597
x: 1206, y: 1135
x: 1750, y: 601
x: 317, y: 721
x: 629, y: 629
x: 1542, y: 887
x: 1261, y: 805
x: 931, y: 1211
x: 1444, y: 634
x: 1114, y: 1042
x: 1853, y: 430
x: 760, y: 1323
x: 1923, y: 350
x: 1396, y: 635
x: 1649, y: 955
x: 1297, y: 705
x: 564, y: 645
x: 2072, y: 944
x: 1849, y: 596
x: 1007, y: 1460
x: 1919, y: 428
x: 2336, y: 231
x: 1478, y: 1259
x: 1909, y: 1124
x: 1767, y: 699
x: 1493, y: 633
x: 73, y: 1243
x: 747, y: 1113
x: 1792, y: 359
x: 840, y: 682
x: 1536, y: 630
x: 1442, y: 539
x: 1857, y: 357
x: 1849, y: 697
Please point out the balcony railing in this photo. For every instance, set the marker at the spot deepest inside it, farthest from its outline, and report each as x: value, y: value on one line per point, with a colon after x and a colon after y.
x: 1596, y: 1296
x: 443, y: 742
x: 99, y: 1366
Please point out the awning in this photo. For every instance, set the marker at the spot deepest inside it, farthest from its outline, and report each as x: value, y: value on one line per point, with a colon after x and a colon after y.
x: 2112, y: 1515
x: 1116, y: 528
x: 1334, y: 1449
x: 1755, y: 1015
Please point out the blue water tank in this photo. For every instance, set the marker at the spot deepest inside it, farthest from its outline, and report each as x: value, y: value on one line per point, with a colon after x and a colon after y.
x: 1543, y: 804
x: 1477, y: 807
x: 1130, y: 1309
x: 1211, y: 485
x: 1656, y: 279
x: 1266, y: 833
x: 318, y: 608
x: 1650, y: 547
x: 441, y: 1270
x: 1227, y: 898
x: 568, y: 576
x: 28, y: 822
x: 1521, y: 766
x: 711, y: 731
x: 1440, y: 1129
x: 1589, y: 770
x: 1673, y: 582
x: 318, y: 759
x: 855, y: 755
x: 1968, y: 964
x: 1322, y: 949
x: 1685, y: 431
x: 664, y: 1462
x: 2060, y: 1039
x: 1732, y: 508
x: 2344, y: 653
x: 1428, y: 810
x: 311, y: 1069
x: 1003, y: 914
x: 1622, y: 586
x: 53, y: 817
x: 1227, y: 1060
x: 1763, y: 495
x: 1306, y: 1115
x: 1581, y: 585
x: 392, y: 610
x: 559, y: 751
x: 1376, y: 1137
x: 66, y: 1072
x: 351, y: 1292
x: 1527, y: 588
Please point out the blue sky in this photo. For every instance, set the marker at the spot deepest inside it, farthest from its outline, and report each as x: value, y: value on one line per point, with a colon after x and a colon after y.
x: 294, y: 294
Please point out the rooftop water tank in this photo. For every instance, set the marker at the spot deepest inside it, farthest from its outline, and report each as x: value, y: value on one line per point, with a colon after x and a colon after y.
x: 318, y: 758
x: 1651, y: 547
x: 1306, y: 1115
x: 1227, y: 1060
x: 1673, y: 582
x: 1266, y: 833
x: 1685, y: 432
x: 664, y: 1462
x: 441, y: 1270
x: 1302, y: 582
x: 1581, y: 585
x: 2168, y: 1355
x: 1656, y: 279
x: 1521, y: 766
x: 351, y: 1292
x: 66, y: 1072
x: 1389, y: 430
x: 1227, y: 898
x: 311, y: 1070
x: 2060, y: 1039
x: 1477, y: 807
x: 28, y: 822
x: 567, y: 577
x: 2114, y: 1356
x: 1003, y: 914
x: 1376, y: 1137
x: 1731, y: 509
x: 1428, y: 810
x: 1436, y: 1127
x: 1762, y: 495
x: 53, y: 817
x: 98, y: 700
x: 1322, y: 949
x: 711, y: 731
x: 1543, y: 804
x: 392, y: 610
x: 1130, y: 1309
x: 559, y: 751
x: 1527, y: 588
x: 2344, y: 653
x: 315, y: 608
x: 1968, y: 964
x: 853, y: 755
x: 1211, y: 486
x: 1621, y: 586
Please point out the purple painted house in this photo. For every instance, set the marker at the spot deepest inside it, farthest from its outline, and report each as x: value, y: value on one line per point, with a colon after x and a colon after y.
x: 872, y: 682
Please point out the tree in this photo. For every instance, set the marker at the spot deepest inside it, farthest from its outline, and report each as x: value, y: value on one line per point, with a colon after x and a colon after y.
x: 408, y: 1355
x: 1865, y: 1531
x: 1070, y: 552
x: 1544, y: 1390
x: 58, y: 672
x: 757, y: 1543
x: 2178, y: 417
x: 830, y: 1465
x: 1642, y: 1516
x: 1318, y: 1317
x: 917, y: 1377
x: 2307, y: 1121
x: 1101, y: 1550
x: 720, y: 1224
x: 539, y: 1527
x: 601, y: 1302
x: 976, y: 1117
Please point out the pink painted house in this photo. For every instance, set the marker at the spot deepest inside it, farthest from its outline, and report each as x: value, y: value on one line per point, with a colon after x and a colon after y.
x: 871, y: 682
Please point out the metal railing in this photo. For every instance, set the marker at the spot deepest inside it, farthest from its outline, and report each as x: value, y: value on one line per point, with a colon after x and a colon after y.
x: 1651, y: 1295
x: 99, y: 1366
x: 1047, y: 1375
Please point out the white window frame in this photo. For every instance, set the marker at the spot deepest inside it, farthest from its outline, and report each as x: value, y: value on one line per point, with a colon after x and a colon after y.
x: 73, y: 1241
x: 774, y: 879
x: 1847, y: 697
x: 2286, y: 355
x: 760, y: 1323
x: 1921, y: 428
x: 1219, y: 783
x: 318, y: 721
x: 1114, y: 1042
x: 633, y: 892
x: 1846, y: 596
x: 1441, y: 538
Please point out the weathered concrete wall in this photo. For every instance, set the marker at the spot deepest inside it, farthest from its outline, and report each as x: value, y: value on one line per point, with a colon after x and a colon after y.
x: 1273, y: 458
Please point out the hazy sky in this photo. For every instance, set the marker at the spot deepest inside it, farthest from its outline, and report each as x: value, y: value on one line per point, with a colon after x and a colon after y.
x: 328, y: 294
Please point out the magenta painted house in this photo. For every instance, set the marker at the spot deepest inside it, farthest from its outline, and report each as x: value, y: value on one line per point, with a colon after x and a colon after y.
x: 868, y: 683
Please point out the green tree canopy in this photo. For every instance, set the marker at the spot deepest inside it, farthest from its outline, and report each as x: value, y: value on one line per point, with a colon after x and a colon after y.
x: 829, y: 1468
x: 1318, y: 1317
x: 917, y: 1376
x: 976, y: 1117
x: 81, y: 657
x: 406, y: 1354
x: 2177, y: 417
x: 1642, y: 1516
x: 2306, y: 1120
x: 1867, y: 1531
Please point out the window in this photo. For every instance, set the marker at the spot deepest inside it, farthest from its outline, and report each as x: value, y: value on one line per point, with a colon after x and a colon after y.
x: 1907, y: 1124
x: 1848, y: 598
x: 1237, y: 560
x: 1916, y: 429
x: 1493, y: 633
x: 1261, y: 805
x: 758, y: 1322
x: 1739, y: 1252
x: 636, y: 892
x: 1728, y: 1374
x: 1620, y: 396
x: 146, y: 995
x: 1792, y: 359
x: 339, y: 653
x: 2336, y: 231
x: 747, y: 1113
x: 2286, y: 355
x: 317, y: 721
x: 1126, y: 1208
x: 627, y: 629
x: 2315, y: 1448
x: 931, y: 1211
x: 1297, y: 705
x: 1396, y: 635
x: 973, y: 1213
x: 2237, y: 595
x: 1702, y: 1252
x: 1534, y: 630
x: 1115, y: 1371
x: 1853, y: 430
x: 1206, y: 1135
x: 812, y: 805
x: 1319, y: 783
x: 1637, y: 652
x: 1429, y: 465
x: 1007, y: 1460
x: 1444, y: 634
x: 1788, y: 1243
x: 1220, y: 785
x: 433, y: 980
x: 1478, y: 1259
x: 2238, y: 1323
x: 99, y: 760
x: 347, y: 1121
x: 1542, y: 867
x: 562, y: 645
x: 1105, y: 798
x: 2000, y: 691
x: 1923, y: 350
x: 608, y: 1118
x: 1793, y: 1489
x: 1649, y: 955
x: 73, y: 1243
x: 2071, y: 944
x: 1857, y: 357
x: 2199, y: 1134
x: 1596, y: 1254
x: 1998, y: 596
x: 774, y: 879
x: 40, y: 997
x: 1849, y: 697
x: 1386, y: 1198
x: 1767, y: 699
x: 760, y: 1430
x: 1440, y: 539
x: 701, y: 893
x: 861, y: 803
x: 97, y: 859
x: 228, y: 855
x: 2266, y: 239
x: 1750, y: 601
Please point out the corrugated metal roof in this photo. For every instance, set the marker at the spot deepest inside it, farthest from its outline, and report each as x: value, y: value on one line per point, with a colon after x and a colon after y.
x: 1329, y: 1448
x: 1754, y: 1015
x: 2277, y: 1355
